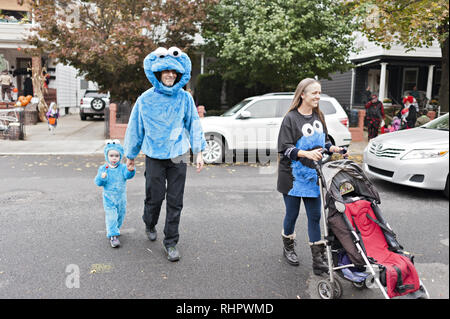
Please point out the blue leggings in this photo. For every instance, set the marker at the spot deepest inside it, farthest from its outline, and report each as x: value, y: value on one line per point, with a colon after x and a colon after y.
x: 313, y: 207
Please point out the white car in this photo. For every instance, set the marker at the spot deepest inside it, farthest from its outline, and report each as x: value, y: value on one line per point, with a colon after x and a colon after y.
x: 254, y: 123
x: 93, y: 104
x: 416, y: 157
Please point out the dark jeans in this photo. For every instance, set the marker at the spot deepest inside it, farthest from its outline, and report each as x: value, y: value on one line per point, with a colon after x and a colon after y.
x: 313, y: 212
x: 157, y: 173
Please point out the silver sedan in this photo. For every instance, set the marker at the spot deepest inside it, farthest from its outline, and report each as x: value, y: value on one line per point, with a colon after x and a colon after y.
x: 416, y: 157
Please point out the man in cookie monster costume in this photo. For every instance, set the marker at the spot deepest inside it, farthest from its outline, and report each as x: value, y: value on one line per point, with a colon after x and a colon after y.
x: 164, y: 124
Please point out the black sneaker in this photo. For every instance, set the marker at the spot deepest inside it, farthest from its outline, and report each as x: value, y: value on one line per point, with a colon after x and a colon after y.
x: 173, y: 253
x: 151, y: 233
x: 114, y: 241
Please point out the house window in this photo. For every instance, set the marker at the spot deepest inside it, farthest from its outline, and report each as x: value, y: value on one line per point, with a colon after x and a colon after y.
x: 410, y: 76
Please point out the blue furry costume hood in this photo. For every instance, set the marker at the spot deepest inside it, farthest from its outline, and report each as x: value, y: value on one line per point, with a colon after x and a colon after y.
x: 113, y: 145
x: 172, y: 59
x: 164, y: 122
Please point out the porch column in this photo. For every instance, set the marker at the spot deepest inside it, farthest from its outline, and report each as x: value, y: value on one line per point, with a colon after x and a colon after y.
x: 382, y: 93
x: 202, y: 63
x: 430, y: 81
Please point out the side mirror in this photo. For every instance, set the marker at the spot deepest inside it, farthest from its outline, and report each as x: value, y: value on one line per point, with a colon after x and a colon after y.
x: 340, y: 207
x: 245, y: 115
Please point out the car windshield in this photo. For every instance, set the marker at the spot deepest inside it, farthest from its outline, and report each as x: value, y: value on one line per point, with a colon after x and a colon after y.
x: 95, y: 94
x: 236, y: 108
x: 441, y: 123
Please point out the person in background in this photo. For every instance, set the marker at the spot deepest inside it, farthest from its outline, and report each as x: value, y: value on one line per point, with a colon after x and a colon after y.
x: 52, y: 117
x: 374, y: 116
x: 201, y: 110
x: 423, y: 118
x: 28, y: 86
x: 5, y: 83
x: 367, y: 94
x: 407, y: 113
x: 415, y: 93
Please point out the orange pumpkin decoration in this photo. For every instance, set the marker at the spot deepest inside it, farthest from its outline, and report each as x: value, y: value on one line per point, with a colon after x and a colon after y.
x: 15, y: 90
x: 23, y: 100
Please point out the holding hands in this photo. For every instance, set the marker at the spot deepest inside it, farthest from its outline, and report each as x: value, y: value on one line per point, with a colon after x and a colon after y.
x: 130, y: 164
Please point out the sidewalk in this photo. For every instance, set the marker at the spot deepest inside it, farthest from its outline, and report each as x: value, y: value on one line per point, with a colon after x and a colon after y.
x: 76, y: 137
x: 72, y: 137
x: 357, y: 148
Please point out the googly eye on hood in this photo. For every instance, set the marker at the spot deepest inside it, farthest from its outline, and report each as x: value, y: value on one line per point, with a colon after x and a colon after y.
x: 113, y: 145
x: 172, y: 59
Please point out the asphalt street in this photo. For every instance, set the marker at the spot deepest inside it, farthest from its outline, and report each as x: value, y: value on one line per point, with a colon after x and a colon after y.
x: 52, y: 220
x: 53, y: 242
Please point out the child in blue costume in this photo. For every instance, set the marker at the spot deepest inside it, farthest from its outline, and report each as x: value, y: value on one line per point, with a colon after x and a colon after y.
x: 302, y: 135
x: 113, y: 176
x: 164, y: 124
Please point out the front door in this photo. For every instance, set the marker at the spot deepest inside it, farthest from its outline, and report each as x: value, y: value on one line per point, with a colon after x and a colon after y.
x: 23, y: 65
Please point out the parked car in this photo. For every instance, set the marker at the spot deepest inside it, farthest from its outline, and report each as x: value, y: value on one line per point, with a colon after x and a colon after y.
x: 416, y: 157
x: 93, y: 104
x: 254, y: 123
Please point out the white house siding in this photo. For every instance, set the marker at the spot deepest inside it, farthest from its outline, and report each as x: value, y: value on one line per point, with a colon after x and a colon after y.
x: 371, y: 50
x: 67, y: 86
x: 12, y: 35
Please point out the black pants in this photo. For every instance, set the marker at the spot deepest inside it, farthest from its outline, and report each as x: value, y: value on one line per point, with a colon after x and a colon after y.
x: 373, y: 126
x: 157, y: 173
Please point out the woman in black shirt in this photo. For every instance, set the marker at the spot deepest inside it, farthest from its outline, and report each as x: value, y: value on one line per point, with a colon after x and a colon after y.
x: 302, y: 136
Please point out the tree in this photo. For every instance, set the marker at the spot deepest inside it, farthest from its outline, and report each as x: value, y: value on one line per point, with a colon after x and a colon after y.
x: 107, y: 40
x: 278, y: 42
x: 411, y: 23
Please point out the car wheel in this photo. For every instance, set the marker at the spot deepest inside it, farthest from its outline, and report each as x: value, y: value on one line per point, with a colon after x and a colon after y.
x: 82, y: 117
x: 446, y: 188
x: 214, y: 150
x: 98, y: 104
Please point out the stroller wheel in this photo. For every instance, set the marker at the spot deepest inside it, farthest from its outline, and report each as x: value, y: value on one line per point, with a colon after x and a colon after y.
x: 359, y: 285
x: 337, y: 289
x: 328, y: 290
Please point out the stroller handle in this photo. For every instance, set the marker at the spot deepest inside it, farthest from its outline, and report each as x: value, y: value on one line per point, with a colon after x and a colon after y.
x: 318, y: 164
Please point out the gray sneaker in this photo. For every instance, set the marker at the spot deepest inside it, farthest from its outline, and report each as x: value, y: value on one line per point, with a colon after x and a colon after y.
x: 151, y: 233
x: 173, y: 253
x: 114, y: 241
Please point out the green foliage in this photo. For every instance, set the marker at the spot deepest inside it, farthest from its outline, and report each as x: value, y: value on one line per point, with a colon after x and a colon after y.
x: 208, y: 90
x: 107, y: 40
x: 411, y: 23
x: 278, y: 42
x: 236, y: 91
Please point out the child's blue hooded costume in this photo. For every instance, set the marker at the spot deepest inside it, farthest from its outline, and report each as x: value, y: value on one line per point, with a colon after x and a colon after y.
x: 114, y: 190
x: 164, y: 121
